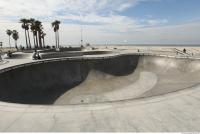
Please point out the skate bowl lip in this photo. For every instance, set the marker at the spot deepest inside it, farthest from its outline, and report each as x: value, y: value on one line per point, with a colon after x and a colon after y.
x: 110, y: 56
x: 7, y: 106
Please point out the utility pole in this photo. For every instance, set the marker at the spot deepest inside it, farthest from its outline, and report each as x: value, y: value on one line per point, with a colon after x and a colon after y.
x: 82, y: 36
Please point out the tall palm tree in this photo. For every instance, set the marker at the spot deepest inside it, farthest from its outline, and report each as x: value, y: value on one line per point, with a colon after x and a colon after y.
x: 24, y: 26
x: 37, y: 23
x: 9, y: 33
x: 33, y: 30
x: 56, y: 26
x: 15, y: 36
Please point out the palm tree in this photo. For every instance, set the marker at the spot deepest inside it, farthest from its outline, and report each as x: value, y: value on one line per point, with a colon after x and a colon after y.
x: 15, y: 36
x: 56, y: 26
x: 36, y: 32
x: 24, y: 26
x: 9, y: 33
x: 33, y: 30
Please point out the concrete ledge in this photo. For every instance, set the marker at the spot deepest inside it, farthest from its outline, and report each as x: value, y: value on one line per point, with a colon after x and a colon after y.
x: 108, y: 56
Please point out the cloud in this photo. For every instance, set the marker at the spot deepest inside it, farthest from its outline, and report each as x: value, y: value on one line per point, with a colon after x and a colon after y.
x: 52, y: 8
x: 153, y: 22
x: 87, y: 12
x: 81, y: 12
x: 90, y: 12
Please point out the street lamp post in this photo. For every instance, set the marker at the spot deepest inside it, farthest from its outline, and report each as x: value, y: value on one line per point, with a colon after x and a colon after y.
x: 81, y: 36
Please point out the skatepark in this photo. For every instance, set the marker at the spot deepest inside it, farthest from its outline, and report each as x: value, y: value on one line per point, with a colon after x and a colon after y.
x: 115, y: 90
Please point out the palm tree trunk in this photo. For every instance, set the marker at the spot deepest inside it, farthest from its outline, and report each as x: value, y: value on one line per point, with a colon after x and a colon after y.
x: 58, y: 39
x: 43, y: 43
x: 29, y: 39
x: 38, y: 36
x: 37, y: 40
x: 16, y: 45
x: 40, y: 40
x: 9, y: 42
x: 34, y: 40
x: 26, y: 40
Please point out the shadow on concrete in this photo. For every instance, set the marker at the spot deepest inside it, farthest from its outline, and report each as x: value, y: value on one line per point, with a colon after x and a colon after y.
x: 44, y: 83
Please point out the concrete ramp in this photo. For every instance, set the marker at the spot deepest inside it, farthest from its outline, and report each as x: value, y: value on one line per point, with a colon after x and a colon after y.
x: 81, y: 81
x: 101, y: 87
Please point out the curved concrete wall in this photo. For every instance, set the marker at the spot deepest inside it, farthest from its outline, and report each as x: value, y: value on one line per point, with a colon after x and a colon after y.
x: 44, y: 83
x: 45, y: 55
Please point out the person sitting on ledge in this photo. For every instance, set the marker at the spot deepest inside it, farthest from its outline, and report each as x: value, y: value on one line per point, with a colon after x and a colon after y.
x: 9, y: 54
x: 36, y: 55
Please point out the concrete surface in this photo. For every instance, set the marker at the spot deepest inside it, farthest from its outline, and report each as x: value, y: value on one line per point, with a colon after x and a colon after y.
x: 153, y: 76
x: 152, y: 94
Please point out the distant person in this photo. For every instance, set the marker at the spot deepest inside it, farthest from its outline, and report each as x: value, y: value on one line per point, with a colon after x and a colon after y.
x: 9, y: 54
x: 184, y: 50
x: 35, y: 55
x: 38, y: 56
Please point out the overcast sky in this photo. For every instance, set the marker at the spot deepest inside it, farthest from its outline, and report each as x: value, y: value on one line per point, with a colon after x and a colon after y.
x: 107, y: 21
